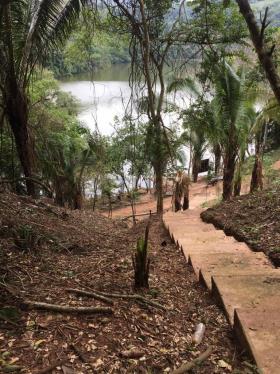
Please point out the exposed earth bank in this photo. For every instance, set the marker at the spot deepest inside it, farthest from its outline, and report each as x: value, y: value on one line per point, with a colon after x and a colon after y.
x: 253, y: 219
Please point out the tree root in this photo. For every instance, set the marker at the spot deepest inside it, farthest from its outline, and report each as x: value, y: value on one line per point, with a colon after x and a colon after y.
x: 91, y: 294
x: 67, y: 308
x: 197, y: 361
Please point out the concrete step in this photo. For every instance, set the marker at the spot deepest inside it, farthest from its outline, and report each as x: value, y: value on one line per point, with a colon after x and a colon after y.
x: 207, y: 265
x: 258, y: 330
x: 246, y: 291
x: 190, y: 227
x: 226, y: 247
x: 202, y: 238
x: 243, y: 282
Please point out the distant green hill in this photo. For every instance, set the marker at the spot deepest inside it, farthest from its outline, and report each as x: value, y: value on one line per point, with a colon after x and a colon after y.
x: 274, y: 9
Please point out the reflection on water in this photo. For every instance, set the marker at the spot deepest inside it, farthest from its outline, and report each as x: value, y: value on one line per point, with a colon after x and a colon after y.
x: 102, y: 95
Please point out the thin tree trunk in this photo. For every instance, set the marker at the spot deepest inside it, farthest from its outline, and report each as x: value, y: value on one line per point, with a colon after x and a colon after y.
x: 17, y: 117
x: 59, y: 191
x: 257, y: 172
x: 196, y: 166
x: 228, y: 177
x: 263, y: 51
x: 78, y: 198
x: 159, y: 186
x: 237, y: 186
x: 256, y: 179
x: 95, y: 185
x: 217, y: 154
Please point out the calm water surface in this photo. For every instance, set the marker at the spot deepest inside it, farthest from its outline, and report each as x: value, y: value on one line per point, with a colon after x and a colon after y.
x: 102, y: 96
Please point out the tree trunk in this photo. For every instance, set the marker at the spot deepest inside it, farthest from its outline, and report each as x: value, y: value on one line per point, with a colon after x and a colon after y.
x: 217, y: 154
x: 95, y: 185
x: 177, y: 198
x: 59, y: 191
x: 196, y: 166
x: 257, y: 172
x: 78, y: 199
x: 137, y: 181
x: 159, y: 187
x: 228, y: 177
x: 256, y: 179
x: 186, y: 202
x: 263, y: 51
x: 17, y: 113
x: 237, y: 185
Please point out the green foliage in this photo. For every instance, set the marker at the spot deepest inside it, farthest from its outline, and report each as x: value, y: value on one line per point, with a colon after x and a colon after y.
x: 127, y: 152
x: 141, y: 262
x: 233, y: 106
x: 92, y: 45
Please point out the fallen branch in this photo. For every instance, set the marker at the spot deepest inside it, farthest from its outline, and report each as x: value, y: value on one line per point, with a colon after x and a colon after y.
x: 67, y: 308
x: 197, y: 361
x: 132, y: 353
x: 51, y: 366
x: 91, y: 294
x: 34, y: 180
x: 133, y: 297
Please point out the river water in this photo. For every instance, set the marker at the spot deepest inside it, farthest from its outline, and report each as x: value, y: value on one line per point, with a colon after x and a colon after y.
x: 102, y: 96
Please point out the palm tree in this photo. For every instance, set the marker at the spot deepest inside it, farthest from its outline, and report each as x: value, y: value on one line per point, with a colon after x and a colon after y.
x: 29, y: 29
x: 234, y: 115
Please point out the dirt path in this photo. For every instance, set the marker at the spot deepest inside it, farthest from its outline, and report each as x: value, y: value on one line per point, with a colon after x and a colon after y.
x: 200, y: 194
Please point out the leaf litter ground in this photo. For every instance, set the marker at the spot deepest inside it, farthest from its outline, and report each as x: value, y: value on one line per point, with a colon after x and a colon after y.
x: 88, y: 251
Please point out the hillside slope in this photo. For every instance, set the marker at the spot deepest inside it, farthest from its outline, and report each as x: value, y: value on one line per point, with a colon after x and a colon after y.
x: 45, y: 250
x: 252, y: 218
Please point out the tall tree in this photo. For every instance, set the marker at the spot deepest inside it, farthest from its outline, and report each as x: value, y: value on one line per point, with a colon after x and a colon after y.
x: 234, y: 115
x: 150, y: 44
x: 28, y: 30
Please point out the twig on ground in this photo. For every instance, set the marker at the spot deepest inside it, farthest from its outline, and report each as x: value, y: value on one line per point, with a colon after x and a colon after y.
x: 67, y: 308
x: 80, y: 355
x: 91, y: 294
x: 197, y: 361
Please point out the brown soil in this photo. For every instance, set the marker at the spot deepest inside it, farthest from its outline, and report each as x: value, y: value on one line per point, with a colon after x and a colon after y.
x: 200, y: 193
x: 252, y: 218
x: 81, y: 249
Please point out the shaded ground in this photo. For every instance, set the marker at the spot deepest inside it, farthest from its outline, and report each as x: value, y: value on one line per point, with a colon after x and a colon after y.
x: 78, y: 249
x: 252, y: 218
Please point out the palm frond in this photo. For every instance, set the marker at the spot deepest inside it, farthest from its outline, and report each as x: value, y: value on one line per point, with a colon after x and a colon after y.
x: 187, y: 83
